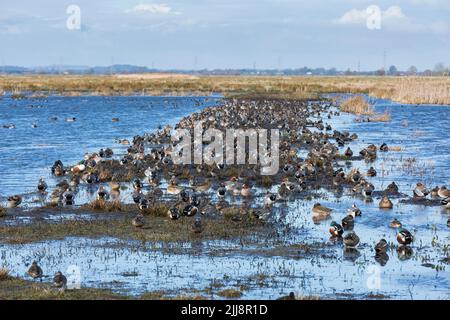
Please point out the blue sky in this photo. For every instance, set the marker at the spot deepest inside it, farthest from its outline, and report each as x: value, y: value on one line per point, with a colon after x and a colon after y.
x: 226, y: 33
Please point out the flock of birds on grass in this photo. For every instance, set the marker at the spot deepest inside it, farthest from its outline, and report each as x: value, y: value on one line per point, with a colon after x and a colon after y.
x: 293, y: 118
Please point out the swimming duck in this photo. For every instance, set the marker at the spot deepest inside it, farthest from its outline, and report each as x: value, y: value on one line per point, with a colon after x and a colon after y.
x: 71, y: 119
x: 197, y: 226
x: 404, y: 237
x: 371, y: 172
x: 91, y: 178
x: 321, y: 212
x: 204, y: 187
x: 184, y: 196
x: 354, y: 211
x: 60, y: 281
x: 58, y: 168
x: 68, y: 197
x: 14, y: 201
x: 291, y: 296
x: 348, y: 222
x: 385, y: 203
x: 420, y: 191
x: 404, y: 252
x: 78, y: 168
x: 392, y: 188
x: 336, y: 229
x: 384, y: 147
x: 348, y: 153
x: 138, y: 221
x: 446, y: 202
x: 137, y: 195
x: 190, y: 210
x: 395, y: 224
x: 381, y: 246
x: 382, y: 258
x: 443, y: 192
x: 368, y: 189
x: 35, y: 271
x: 351, y: 239
x: 42, y: 185
x: 173, y: 188
x: 173, y: 213
x: 102, y: 194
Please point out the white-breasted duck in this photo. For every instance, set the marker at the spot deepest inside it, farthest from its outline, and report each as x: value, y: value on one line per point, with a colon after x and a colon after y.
x: 420, y: 191
x: 354, y: 211
x: 42, y: 185
x: 336, y: 230
x: 443, y: 192
x: 14, y: 201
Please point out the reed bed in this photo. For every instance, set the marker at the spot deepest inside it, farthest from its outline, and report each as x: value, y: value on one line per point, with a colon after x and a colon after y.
x: 416, y: 90
x: 357, y: 105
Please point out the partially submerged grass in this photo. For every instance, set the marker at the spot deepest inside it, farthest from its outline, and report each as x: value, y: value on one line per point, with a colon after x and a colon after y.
x: 383, y: 117
x: 105, y: 206
x: 230, y: 293
x: 357, y: 105
x: 4, y: 274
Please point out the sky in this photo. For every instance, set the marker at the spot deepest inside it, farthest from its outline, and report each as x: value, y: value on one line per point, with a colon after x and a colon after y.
x: 197, y: 34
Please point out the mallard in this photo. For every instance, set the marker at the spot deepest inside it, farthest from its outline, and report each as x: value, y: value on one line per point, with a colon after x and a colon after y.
x: 420, y: 191
x: 102, y: 194
x: 60, y: 281
x: 348, y: 153
x: 395, y: 224
x: 321, y: 212
x: 348, y: 222
x: 404, y: 237
x: 190, y: 210
x: 336, y: 229
x: 138, y: 221
x: 58, y: 168
x: 382, y: 258
x: 443, y: 192
x: 351, y: 239
x: 173, y: 213
x: 404, y: 252
x: 232, y: 184
x: 137, y: 195
x: 91, y: 178
x: 392, y: 188
x: 371, y: 172
x: 42, y: 185
x: 385, y: 203
x: 354, y: 211
x: 246, y: 191
x: 355, y: 176
x: 381, y: 246
x: 14, y: 201
x: 197, y: 226
x: 35, y: 271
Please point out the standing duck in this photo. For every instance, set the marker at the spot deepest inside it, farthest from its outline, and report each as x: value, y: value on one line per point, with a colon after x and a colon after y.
x: 137, y: 184
x: 138, y: 221
x: 68, y: 197
x: 336, y: 229
x: 386, y: 203
x: 14, y: 201
x: 42, y: 185
x: 351, y: 239
x: 143, y: 204
x: 381, y: 246
x: 35, y: 271
x: 404, y: 237
x: 60, y: 281
x: 420, y: 191
x: 348, y: 153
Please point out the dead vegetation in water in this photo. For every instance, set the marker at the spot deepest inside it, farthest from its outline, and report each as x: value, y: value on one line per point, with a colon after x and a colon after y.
x: 357, y: 105
x: 4, y: 274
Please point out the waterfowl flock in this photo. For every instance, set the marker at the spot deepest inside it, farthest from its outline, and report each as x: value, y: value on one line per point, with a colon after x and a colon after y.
x: 198, y: 191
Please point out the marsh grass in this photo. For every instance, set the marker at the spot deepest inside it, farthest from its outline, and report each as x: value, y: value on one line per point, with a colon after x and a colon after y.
x: 357, y: 105
x: 384, y: 117
x: 230, y: 293
x: 3, y: 211
x: 4, y: 274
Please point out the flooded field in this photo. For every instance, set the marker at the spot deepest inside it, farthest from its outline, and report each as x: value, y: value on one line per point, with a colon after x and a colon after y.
x: 298, y: 254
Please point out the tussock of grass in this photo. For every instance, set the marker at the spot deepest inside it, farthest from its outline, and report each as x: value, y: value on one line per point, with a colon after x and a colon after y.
x: 3, y: 211
x: 357, y: 105
x: 384, y: 117
x: 158, y: 210
x: 230, y: 293
x: 4, y: 274
x: 105, y: 206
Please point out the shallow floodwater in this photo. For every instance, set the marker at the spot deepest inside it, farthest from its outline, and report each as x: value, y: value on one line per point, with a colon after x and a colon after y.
x: 331, y: 272
x: 27, y: 153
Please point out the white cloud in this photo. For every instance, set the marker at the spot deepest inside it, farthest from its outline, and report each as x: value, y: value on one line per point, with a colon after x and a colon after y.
x: 154, y: 8
x: 360, y: 16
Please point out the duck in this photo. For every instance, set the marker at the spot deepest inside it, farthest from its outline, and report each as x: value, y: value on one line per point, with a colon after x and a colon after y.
x: 351, y: 239
x: 78, y: 168
x: 137, y: 184
x: 395, y: 224
x: 173, y: 213
x: 420, y: 191
x: 137, y: 195
x: 348, y: 153
x: 392, y: 188
x: 446, y: 203
x: 91, y: 178
x: 270, y: 199
x: 58, y: 168
x: 336, y: 229
x: 381, y: 246
x: 290, y: 296
x: 42, y: 185
x: 68, y: 197
x: 384, y: 147
x: 14, y: 201
x: 60, y: 281
x: 221, y: 192
x: 35, y: 271
x: 143, y: 204
x: 386, y: 203
x: 443, y: 192
x: 367, y: 190
x: 102, y: 194
x: 203, y: 187
x: 195, y: 200
x: 246, y: 191
x: 138, y: 221
x: 448, y: 223
x: 348, y: 222
x: 231, y: 184
x: 173, y: 188
x: 321, y: 212
x: 197, y: 226
x: 354, y: 211
x: 115, y: 186
x: 371, y: 172
x: 404, y: 237
x: 190, y: 210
